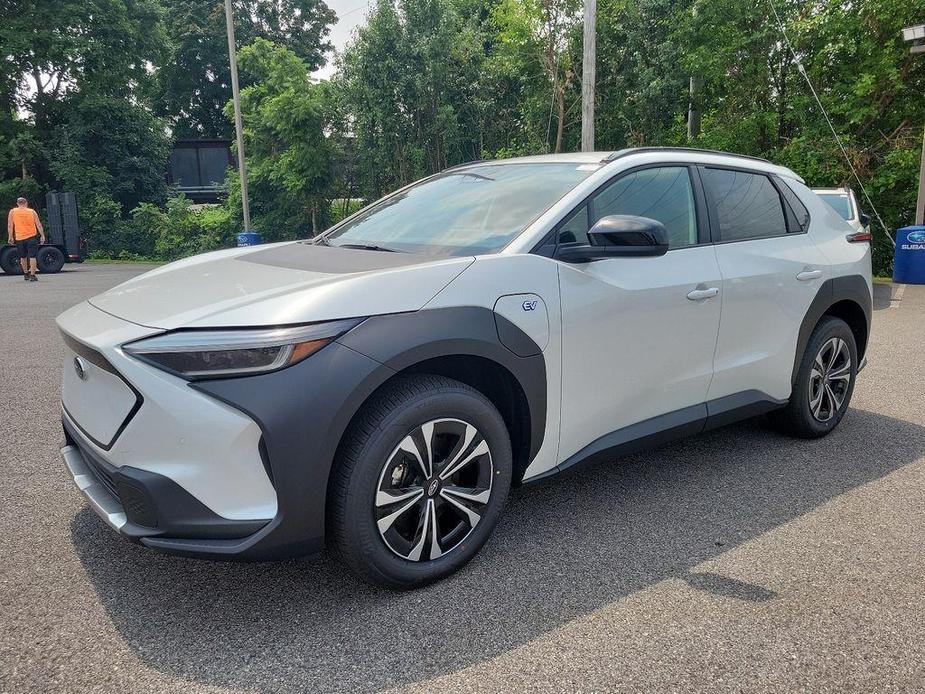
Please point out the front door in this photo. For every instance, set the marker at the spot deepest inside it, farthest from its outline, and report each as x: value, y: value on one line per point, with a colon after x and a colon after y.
x: 638, y: 334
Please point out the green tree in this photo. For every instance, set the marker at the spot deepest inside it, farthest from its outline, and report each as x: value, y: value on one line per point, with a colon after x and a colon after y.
x: 51, y: 47
x: 111, y: 154
x: 642, y: 79
x: 410, y: 90
x: 78, y: 72
x: 288, y: 153
x: 194, y: 82
x: 538, y: 56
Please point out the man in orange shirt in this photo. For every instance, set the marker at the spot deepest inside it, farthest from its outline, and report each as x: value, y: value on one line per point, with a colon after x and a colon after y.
x: 24, y: 228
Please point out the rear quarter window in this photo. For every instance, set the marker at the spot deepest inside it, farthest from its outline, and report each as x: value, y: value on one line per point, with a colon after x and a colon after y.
x: 797, y: 214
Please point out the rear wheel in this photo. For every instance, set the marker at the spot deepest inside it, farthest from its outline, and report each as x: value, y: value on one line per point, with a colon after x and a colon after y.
x: 49, y: 259
x: 9, y: 261
x: 420, y: 483
x: 825, y: 382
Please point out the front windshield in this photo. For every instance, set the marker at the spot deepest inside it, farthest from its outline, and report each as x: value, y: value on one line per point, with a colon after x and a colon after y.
x: 839, y: 203
x: 468, y: 211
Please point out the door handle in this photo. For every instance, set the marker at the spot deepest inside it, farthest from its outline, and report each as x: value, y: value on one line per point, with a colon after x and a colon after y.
x: 699, y: 294
x: 807, y: 275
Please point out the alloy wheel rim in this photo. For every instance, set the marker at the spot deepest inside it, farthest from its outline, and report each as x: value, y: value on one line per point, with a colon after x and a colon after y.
x: 433, y: 489
x: 829, y: 379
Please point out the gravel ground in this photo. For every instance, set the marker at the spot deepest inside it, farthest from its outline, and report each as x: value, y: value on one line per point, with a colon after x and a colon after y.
x: 736, y: 561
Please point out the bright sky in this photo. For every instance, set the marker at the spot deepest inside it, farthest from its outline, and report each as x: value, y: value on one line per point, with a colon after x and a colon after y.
x: 350, y: 14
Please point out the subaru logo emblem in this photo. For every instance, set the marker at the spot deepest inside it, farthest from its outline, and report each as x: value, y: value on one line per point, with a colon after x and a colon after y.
x: 529, y: 305
x: 916, y: 237
x: 80, y: 368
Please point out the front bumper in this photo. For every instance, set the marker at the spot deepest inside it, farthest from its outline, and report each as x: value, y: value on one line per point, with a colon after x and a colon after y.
x: 139, y: 504
x: 230, y: 469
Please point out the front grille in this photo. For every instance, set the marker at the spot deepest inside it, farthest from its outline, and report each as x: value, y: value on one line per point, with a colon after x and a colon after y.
x: 98, y: 469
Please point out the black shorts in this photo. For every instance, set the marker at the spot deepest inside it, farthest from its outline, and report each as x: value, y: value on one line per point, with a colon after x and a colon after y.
x: 27, y: 248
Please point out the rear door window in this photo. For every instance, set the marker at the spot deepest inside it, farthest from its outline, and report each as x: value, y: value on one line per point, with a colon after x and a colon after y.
x: 745, y: 205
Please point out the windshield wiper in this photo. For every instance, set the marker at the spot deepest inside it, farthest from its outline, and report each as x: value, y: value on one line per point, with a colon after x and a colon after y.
x: 367, y: 247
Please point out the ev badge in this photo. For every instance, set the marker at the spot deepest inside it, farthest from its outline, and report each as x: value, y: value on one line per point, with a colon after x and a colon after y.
x: 529, y: 305
x: 80, y: 368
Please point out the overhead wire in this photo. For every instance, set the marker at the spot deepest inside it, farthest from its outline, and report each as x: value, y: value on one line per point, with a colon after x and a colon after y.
x: 802, y: 71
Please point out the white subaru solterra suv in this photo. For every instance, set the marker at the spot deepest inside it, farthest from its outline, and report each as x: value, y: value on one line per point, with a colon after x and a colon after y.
x: 381, y: 387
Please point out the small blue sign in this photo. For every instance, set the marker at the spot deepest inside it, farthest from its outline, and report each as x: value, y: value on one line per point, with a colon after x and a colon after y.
x: 909, y: 259
x: 249, y: 238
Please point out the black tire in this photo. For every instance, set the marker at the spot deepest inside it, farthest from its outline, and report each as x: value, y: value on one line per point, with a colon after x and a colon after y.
x: 369, y: 450
x: 807, y: 415
x: 49, y: 259
x: 9, y: 261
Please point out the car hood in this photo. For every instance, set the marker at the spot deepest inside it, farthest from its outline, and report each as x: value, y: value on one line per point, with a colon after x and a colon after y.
x: 279, y: 284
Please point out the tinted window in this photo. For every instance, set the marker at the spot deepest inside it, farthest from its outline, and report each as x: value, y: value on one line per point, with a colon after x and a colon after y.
x: 839, y: 203
x: 664, y: 194
x: 213, y: 165
x: 797, y: 214
x: 183, y: 167
x: 478, y: 209
x: 747, y: 205
x: 576, y: 227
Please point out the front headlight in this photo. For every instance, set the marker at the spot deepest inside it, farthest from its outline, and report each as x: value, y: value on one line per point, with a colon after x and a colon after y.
x: 197, y: 354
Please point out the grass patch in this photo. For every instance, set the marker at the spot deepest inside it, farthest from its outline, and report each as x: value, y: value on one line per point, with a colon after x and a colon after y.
x: 122, y: 261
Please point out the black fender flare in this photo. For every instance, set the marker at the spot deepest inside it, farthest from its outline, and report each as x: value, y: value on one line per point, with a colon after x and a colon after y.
x: 400, y: 341
x: 850, y: 287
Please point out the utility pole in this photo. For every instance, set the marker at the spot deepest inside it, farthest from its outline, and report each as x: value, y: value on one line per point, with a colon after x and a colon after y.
x: 916, y: 35
x: 236, y: 98
x: 588, y: 76
x: 693, y: 108
x: 920, y: 200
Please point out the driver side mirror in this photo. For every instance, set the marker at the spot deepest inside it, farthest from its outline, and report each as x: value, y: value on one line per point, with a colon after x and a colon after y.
x: 617, y: 236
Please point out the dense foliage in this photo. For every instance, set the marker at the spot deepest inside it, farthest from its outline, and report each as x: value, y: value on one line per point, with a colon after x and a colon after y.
x: 91, y: 94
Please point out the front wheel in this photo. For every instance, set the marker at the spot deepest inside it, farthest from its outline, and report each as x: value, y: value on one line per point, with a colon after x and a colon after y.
x: 420, y: 481
x: 824, y: 384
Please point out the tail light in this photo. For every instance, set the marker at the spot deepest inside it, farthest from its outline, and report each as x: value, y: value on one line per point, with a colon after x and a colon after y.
x: 860, y: 236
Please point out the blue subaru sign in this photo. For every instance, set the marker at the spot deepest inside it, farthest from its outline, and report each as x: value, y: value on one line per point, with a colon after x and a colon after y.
x: 909, y: 260
x: 249, y: 238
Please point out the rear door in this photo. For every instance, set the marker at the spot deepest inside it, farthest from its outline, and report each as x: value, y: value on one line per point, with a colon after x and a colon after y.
x: 771, y: 273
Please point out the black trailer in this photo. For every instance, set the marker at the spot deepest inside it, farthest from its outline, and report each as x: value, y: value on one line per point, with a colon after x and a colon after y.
x: 62, y: 236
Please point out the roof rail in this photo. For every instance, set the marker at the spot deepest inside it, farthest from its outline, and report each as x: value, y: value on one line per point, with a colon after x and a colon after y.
x: 640, y: 150
x: 466, y: 163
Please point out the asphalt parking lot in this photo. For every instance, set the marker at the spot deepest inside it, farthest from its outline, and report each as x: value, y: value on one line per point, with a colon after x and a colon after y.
x: 737, y: 561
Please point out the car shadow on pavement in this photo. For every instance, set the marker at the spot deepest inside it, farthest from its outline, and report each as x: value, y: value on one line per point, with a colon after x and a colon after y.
x: 563, y: 549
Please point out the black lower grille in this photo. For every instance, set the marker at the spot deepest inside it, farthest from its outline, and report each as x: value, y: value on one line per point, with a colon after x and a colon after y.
x: 100, y: 472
